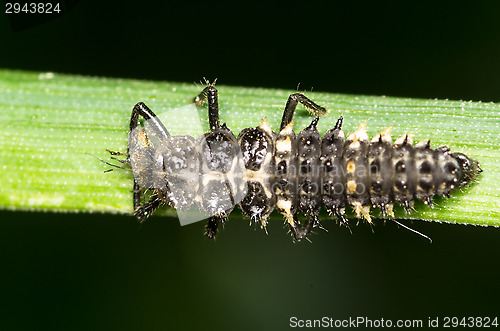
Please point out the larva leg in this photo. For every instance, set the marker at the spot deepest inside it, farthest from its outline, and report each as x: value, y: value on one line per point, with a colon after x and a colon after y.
x: 210, y: 94
x: 157, y: 126
x: 159, y: 130
x: 145, y: 210
x: 291, y: 104
x: 212, y: 227
x: 301, y: 231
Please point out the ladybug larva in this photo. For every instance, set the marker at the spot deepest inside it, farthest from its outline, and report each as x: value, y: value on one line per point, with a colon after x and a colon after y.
x: 261, y: 170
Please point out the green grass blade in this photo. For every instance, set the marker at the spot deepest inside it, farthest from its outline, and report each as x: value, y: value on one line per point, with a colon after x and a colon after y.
x: 53, y: 125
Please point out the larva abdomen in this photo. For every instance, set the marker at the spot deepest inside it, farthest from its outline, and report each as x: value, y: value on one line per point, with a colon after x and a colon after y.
x: 334, y: 172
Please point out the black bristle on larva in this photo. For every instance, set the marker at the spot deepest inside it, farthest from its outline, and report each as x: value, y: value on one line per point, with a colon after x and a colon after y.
x: 213, y: 225
x: 261, y: 170
x: 212, y: 228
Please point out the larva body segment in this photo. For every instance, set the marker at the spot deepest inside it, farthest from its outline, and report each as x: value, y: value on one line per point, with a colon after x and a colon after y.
x: 257, y: 146
x: 332, y: 171
x: 380, y: 171
x: 309, y: 184
x: 425, y: 167
x: 355, y: 165
x: 285, y: 180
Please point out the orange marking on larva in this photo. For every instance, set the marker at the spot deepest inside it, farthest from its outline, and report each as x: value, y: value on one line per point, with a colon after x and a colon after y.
x: 351, y: 186
x: 351, y: 167
x: 143, y: 139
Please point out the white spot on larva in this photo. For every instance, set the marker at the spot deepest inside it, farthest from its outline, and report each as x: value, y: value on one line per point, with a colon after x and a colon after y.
x: 351, y: 186
x: 284, y: 145
x: 264, y: 126
x: 288, y: 129
x: 358, y: 136
x: 362, y: 211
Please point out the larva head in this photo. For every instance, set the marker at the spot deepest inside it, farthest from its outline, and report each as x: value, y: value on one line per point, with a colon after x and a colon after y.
x: 470, y: 168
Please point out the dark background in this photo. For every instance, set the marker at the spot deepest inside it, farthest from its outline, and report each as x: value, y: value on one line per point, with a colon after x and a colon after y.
x: 73, y: 271
x: 428, y: 49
